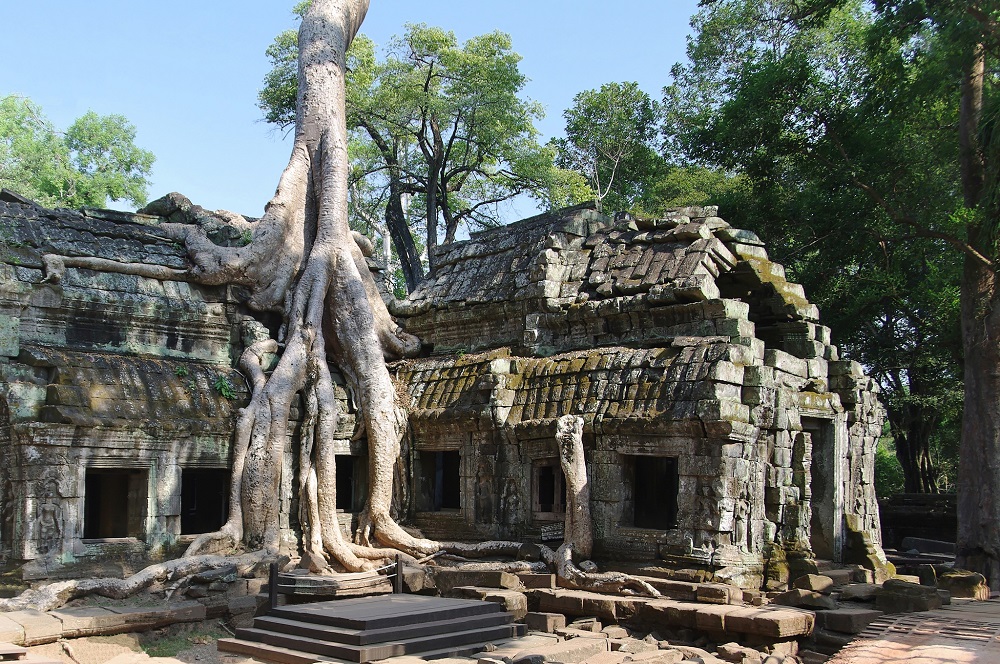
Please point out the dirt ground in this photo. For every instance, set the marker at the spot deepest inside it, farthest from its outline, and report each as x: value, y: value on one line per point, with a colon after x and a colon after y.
x: 185, y: 644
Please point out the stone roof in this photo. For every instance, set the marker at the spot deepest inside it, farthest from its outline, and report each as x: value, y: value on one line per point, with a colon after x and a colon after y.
x: 571, y: 280
x: 29, y: 231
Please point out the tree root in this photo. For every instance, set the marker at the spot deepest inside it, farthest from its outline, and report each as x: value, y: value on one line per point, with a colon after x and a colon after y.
x: 55, y: 595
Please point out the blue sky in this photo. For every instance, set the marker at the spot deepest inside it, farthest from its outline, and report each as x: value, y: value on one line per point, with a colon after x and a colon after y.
x: 186, y: 73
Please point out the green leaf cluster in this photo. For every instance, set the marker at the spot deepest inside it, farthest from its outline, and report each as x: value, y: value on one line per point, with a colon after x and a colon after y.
x: 839, y: 120
x: 611, y: 140
x: 94, y: 161
x: 441, y: 136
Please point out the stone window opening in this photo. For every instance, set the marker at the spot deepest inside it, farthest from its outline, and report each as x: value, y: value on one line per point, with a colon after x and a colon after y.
x: 204, y: 499
x: 651, y: 485
x: 548, y: 490
x: 441, y: 486
x: 114, y: 503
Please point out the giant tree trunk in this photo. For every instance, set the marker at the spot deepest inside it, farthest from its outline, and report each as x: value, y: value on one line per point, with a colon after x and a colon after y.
x: 979, y: 453
x: 304, y: 261
x: 978, y: 545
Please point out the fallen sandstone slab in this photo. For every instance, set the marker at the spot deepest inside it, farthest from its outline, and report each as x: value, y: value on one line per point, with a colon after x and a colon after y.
x: 772, y: 622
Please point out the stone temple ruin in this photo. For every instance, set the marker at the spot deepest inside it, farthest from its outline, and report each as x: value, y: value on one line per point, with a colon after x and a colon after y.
x: 723, y: 433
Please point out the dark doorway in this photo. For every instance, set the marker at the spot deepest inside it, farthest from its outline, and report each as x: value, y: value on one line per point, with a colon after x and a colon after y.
x: 345, y: 483
x: 654, y: 492
x: 442, y: 481
x: 549, y: 488
x: 114, y: 504
x: 204, y: 499
x: 826, y: 499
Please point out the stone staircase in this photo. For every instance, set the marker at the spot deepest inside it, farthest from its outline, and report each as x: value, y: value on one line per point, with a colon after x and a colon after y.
x: 365, y: 629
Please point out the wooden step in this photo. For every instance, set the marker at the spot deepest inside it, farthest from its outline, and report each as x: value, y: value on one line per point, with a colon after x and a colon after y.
x: 367, y: 653
x: 371, y: 636
x: 268, y: 653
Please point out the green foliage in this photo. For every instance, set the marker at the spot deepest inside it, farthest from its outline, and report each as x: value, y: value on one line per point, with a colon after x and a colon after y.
x: 610, y: 140
x: 888, y: 471
x: 439, y: 133
x: 181, y: 371
x: 224, y: 387
x: 94, y: 161
x: 839, y: 119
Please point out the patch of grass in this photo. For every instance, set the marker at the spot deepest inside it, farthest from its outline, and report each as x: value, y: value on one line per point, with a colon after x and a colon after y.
x: 178, y: 638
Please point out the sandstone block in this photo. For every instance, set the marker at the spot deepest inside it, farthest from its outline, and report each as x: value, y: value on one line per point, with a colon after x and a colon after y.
x: 657, y: 657
x: 903, y: 597
x: 446, y: 579
x: 88, y: 621
x: 859, y: 592
x: 719, y: 593
x: 734, y: 652
x: 38, y: 627
x: 816, y: 582
x: 607, y: 658
x: 713, y: 618
x: 615, y: 632
x: 631, y: 646
x: 805, y: 599
x: 962, y: 583
x: 771, y: 621
x: 544, y: 622
x: 847, y: 621
x: 10, y: 631
x: 531, y: 580
x: 570, y: 652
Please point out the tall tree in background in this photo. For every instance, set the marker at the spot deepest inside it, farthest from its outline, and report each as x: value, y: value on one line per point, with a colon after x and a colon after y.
x: 94, y: 161
x: 885, y: 115
x: 611, y: 140
x: 446, y: 124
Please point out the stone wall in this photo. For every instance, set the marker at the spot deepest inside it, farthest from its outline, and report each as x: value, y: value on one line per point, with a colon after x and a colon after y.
x: 681, y: 345
x: 106, y: 373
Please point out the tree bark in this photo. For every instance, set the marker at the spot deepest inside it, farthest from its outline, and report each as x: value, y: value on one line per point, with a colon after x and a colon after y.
x: 911, y: 428
x: 578, y: 531
x: 978, y: 544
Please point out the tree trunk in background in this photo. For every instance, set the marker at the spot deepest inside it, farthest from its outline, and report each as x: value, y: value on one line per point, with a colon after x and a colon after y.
x: 911, y: 428
x: 978, y: 545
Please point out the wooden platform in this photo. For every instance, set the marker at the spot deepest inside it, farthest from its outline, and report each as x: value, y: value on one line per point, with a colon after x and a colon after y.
x: 967, y: 632
x: 365, y: 629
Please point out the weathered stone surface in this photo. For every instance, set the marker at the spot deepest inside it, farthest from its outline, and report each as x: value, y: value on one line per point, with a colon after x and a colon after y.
x: 571, y: 651
x: 859, y: 592
x: 512, y: 601
x: 656, y: 657
x: 11, y: 631
x: 771, y: 621
x: 615, y: 632
x: 814, y: 582
x: 38, y: 627
x: 544, y: 622
x: 848, y: 621
x: 676, y: 339
x: 734, y: 652
x: 962, y: 583
x: 447, y: 579
x: 903, y: 597
x: 806, y: 599
x: 530, y: 580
